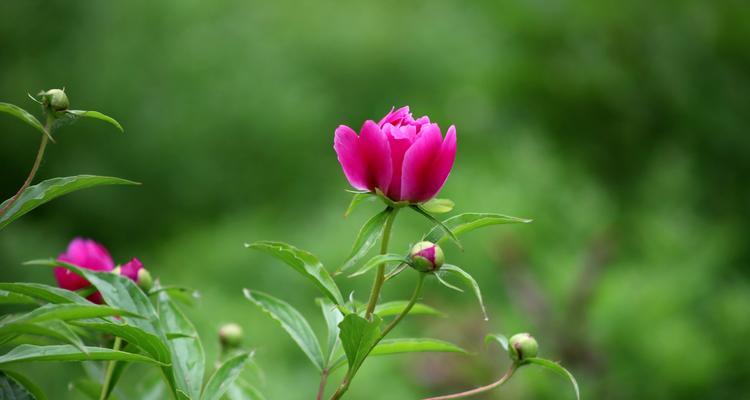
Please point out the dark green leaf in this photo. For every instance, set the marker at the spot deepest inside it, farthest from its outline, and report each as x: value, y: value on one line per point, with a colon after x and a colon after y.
x: 377, y: 260
x: 498, y: 338
x: 366, y: 238
x: 36, y: 195
x: 28, y: 352
x: 358, y: 335
x: 357, y: 199
x: 396, y: 307
x: 469, y: 281
x: 46, y: 293
x: 15, y: 298
x: 557, y: 368
x: 438, y: 206
x: 468, y: 222
x: 51, y: 329
x: 414, y: 345
x: 223, y: 378
x: 96, y: 115
x: 293, y: 323
x: 188, y: 359
x: 134, y: 335
x: 65, y: 312
x: 333, y: 317
x: 439, y: 225
x: 14, y: 386
x: 23, y: 115
x: 303, y: 262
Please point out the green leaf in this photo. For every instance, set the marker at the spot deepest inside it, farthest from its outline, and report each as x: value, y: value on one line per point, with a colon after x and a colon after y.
x: 36, y: 195
x: 87, y: 387
x: 15, y: 298
x: 65, y: 352
x: 303, y: 262
x: 9, y: 380
x: 358, y: 336
x: 223, y: 378
x: 333, y: 317
x: 241, y: 390
x: 392, y: 308
x: 414, y: 345
x: 46, y: 293
x: 438, y: 206
x: 51, y: 329
x: 188, y: 358
x: 292, y: 322
x: 557, y: 368
x: 366, y: 238
x: 468, y: 222
x: 23, y: 115
x: 377, y: 260
x: 65, y: 312
x: 96, y: 115
x: 497, y: 338
x: 469, y: 281
x: 439, y: 224
x: 148, y: 342
x: 357, y: 199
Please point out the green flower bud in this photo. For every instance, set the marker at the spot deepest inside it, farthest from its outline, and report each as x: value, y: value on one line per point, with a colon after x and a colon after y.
x: 426, y: 257
x: 55, y: 100
x: 522, y: 346
x: 230, y: 335
x: 145, y: 281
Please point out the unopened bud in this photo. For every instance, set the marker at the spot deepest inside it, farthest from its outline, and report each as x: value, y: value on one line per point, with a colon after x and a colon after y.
x: 55, y: 100
x: 426, y: 257
x: 522, y: 346
x: 144, y: 281
x: 230, y: 335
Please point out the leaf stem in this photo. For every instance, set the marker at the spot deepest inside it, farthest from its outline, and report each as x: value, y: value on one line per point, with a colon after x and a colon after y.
x: 322, y: 386
x: 34, y: 168
x: 110, y: 370
x: 478, y: 390
x: 377, y: 285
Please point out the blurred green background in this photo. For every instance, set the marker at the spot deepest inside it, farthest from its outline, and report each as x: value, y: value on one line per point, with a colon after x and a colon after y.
x: 621, y: 128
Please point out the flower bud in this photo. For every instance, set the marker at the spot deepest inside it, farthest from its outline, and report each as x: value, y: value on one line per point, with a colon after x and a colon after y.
x: 522, y: 346
x: 230, y: 335
x: 145, y: 282
x: 426, y: 257
x: 55, y: 99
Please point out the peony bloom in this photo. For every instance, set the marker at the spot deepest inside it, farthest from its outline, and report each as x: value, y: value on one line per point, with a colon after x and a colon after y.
x: 83, y: 253
x: 406, y: 159
x: 135, y: 271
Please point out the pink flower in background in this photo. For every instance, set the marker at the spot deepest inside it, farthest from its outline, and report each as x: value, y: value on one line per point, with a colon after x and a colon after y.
x: 83, y: 253
x: 406, y: 159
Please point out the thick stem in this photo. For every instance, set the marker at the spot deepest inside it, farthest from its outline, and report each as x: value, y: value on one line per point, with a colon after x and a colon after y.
x: 322, y: 387
x: 110, y: 371
x: 377, y: 285
x: 478, y: 390
x: 39, y: 156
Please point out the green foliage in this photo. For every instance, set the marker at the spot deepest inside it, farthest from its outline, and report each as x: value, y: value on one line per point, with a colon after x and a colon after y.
x: 558, y: 369
x: 438, y: 206
x: 224, y: 377
x: 414, y: 345
x: 23, y: 115
x: 449, y: 269
x: 14, y: 386
x: 468, y: 222
x: 358, y: 336
x: 392, y: 308
x: 366, y: 238
x: 28, y: 352
x: 75, y: 114
x: 377, y: 260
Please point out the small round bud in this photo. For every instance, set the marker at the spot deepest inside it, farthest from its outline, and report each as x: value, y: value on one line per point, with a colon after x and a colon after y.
x: 426, y: 257
x: 522, y: 346
x: 144, y: 280
x: 55, y: 100
x: 230, y: 335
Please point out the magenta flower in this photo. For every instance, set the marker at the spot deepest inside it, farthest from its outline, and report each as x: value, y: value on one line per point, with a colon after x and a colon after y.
x: 83, y: 253
x: 406, y: 159
x: 131, y: 269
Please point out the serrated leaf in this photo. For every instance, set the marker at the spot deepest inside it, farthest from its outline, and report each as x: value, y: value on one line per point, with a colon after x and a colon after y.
x: 392, y: 308
x: 96, y: 115
x: 333, y: 317
x: 358, y: 336
x: 52, y: 329
x: 414, y: 345
x: 366, y: 238
x: 292, y: 322
x: 357, y: 199
x: 188, y: 358
x: 468, y: 222
x: 223, y: 378
x: 501, y: 339
x: 557, y: 368
x: 377, y: 260
x: 66, y: 352
x: 23, y: 115
x: 438, y: 225
x: 46, y: 293
x: 303, y: 262
x: 438, y: 206
x: 469, y: 281
x: 41, y: 193
x: 14, y: 386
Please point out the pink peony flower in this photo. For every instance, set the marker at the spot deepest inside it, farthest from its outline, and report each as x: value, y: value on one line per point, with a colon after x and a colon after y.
x: 406, y: 159
x: 83, y: 253
x: 131, y: 269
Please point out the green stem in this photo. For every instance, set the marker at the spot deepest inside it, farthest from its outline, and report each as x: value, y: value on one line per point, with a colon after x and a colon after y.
x: 377, y: 285
x: 34, y: 168
x: 481, y: 389
x: 110, y: 371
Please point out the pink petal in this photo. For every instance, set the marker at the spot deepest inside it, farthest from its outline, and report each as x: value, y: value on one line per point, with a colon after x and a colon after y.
x: 395, y: 117
x: 345, y: 142
x: 443, y: 165
x: 418, y: 165
x: 83, y: 253
x: 131, y: 269
x: 400, y: 139
x: 374, y: 147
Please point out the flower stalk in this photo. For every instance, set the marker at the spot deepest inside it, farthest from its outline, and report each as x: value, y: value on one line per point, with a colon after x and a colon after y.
x: 377, y: 285
x: 34, y: 168
x: 481, y: 389
x: 110, y: 371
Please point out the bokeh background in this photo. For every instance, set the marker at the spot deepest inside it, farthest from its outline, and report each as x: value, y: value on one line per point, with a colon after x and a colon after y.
x: 621, y: 128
